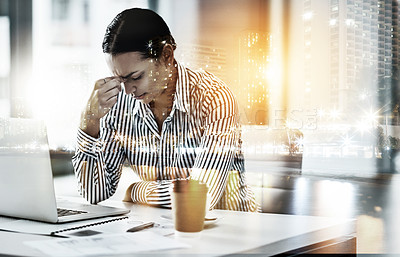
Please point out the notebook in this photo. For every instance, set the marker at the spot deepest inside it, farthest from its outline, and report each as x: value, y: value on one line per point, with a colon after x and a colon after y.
x: 26, y: 178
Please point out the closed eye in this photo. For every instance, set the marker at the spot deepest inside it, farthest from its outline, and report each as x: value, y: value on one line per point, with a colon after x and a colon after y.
x: 137, y: 78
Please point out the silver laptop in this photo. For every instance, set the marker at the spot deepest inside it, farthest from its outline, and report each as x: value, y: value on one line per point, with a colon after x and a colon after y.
x: 26, y: 179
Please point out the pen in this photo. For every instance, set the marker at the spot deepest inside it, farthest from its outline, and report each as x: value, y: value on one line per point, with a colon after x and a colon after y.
x: 141, y: 227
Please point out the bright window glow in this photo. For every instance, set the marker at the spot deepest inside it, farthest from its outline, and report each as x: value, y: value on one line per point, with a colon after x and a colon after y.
x: 308, y: 16
x: 349, y: 22
x: 334, y: 114
x: 4, y: 46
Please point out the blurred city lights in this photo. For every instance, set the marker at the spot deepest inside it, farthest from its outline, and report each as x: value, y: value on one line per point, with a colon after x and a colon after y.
x: 299, y: 141
x: 349, y: 22
x: 334, y: 114
x: 321, y: 113
x: 347, y: 140
x: 363, y: 96
x: 363, y: 126
x: 372, y: 117
x: 308, y: 15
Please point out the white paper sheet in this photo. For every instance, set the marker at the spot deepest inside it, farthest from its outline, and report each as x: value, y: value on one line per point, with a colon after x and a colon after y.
x: 106, y: 244
x: 114, y: 227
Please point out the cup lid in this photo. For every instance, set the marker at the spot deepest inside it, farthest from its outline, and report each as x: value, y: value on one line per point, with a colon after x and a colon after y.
x: 189, y: 185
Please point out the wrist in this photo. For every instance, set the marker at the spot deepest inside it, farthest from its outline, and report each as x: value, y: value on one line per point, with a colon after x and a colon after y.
x: 90, y: 124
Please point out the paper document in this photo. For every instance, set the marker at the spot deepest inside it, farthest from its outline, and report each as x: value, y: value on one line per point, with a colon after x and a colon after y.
x: 106, y: 244
x: 120, y: 227
x: 107, y: 225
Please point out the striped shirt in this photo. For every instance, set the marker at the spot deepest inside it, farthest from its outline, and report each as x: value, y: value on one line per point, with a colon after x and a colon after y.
x: 200, y: 140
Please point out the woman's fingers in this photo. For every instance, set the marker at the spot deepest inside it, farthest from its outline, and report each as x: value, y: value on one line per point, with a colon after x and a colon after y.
x: 109, y: 93
x: 105, y: 95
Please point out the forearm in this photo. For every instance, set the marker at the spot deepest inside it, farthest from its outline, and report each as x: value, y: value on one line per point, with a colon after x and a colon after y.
x: 98, y: 173
x: 90, y: 124
x: 96, y: 183
x: 212, y: 165
x: 151, y: 193
x: 215, y: 181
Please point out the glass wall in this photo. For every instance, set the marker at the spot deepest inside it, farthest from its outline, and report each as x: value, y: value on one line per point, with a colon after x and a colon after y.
x: 4, y: 65
x: 350, y: 77
x: 316, y: 80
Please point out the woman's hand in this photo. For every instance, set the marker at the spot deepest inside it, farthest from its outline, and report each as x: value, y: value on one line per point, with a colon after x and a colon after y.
x: 102, y: 99
x: 128, y: 192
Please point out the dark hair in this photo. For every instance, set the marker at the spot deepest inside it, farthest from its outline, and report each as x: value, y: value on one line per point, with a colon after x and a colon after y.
x: 137, y: 30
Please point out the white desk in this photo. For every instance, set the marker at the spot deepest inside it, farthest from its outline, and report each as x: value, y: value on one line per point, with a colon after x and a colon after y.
x: 235, y: 232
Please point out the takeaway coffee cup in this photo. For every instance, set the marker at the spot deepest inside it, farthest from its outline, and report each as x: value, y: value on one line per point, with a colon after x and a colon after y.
x: 189, y: 205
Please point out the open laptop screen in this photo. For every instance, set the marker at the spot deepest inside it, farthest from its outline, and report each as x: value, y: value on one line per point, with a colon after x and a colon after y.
x: 26, y: 178
x: 26, y: 185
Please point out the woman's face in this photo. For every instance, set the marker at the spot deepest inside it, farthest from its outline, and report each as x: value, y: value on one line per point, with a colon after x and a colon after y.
x: 145, y: 79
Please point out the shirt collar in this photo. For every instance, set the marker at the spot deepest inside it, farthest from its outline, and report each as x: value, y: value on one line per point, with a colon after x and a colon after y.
x: 181, y: 101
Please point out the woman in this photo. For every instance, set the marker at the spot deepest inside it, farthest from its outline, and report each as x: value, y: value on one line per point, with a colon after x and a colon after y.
x: 166, y: 120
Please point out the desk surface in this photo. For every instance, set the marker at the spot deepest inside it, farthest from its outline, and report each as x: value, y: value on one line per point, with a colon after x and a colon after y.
x: 234, y: 232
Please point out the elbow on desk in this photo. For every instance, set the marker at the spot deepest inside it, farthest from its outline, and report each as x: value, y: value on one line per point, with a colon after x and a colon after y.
x: 95, y: 198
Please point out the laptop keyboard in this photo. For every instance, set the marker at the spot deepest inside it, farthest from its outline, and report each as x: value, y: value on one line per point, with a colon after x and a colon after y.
x: 66, y: 212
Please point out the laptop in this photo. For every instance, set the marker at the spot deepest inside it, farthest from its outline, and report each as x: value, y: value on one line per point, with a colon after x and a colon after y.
x: 26, y: 178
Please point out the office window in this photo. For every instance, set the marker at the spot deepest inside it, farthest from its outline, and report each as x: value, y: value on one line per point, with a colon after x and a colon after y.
x: 4, y: 65
x: 68, y: 59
